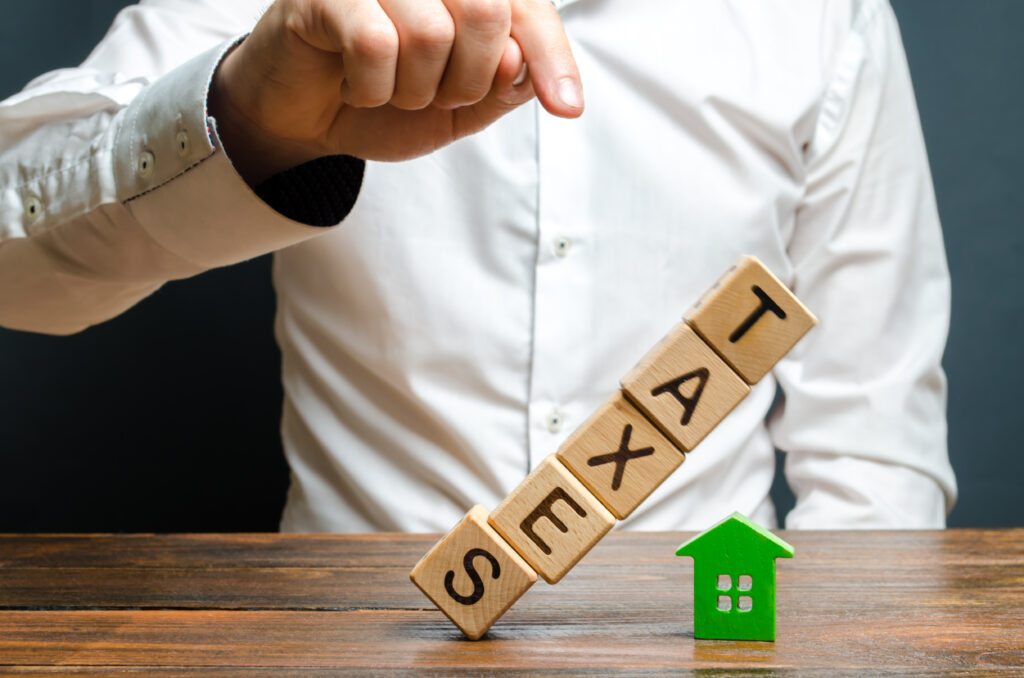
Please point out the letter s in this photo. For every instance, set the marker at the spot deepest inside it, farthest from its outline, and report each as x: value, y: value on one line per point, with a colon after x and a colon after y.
x: 478, y: 584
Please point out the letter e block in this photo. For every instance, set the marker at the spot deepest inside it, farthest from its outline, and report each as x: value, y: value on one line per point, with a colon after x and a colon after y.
x: 551, y: 519
x: 472, y: 575
x: 684, y: 387
x: 619, y: 455
x: 750, y: 318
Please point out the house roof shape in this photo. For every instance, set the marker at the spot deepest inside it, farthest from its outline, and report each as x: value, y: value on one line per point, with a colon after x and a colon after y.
x: 734, y: 530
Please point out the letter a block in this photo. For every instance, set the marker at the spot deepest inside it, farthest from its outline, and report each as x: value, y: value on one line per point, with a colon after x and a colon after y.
x: 551, y: 519
x: 472, y: 575
x: 684, y: 387
x: 750, y: 318
x: 619, y: 455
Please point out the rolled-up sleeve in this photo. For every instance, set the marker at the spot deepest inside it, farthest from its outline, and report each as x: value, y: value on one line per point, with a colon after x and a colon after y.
x: 112, y: 178
x: 863, y: 414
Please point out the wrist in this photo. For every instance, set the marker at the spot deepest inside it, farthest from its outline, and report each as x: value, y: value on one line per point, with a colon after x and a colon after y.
x: 256, y: 153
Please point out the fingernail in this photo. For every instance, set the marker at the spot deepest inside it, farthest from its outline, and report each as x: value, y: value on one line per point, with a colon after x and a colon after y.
x: 521, y: 78
x: 570, y: 93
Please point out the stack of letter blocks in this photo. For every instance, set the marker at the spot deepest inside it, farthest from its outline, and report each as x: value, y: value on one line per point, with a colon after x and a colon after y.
x: 678, y: 392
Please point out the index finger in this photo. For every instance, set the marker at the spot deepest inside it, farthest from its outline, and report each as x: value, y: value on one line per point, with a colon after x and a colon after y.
x: 538, y: 29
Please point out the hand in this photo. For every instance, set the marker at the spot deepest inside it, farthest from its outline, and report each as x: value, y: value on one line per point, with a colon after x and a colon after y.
x: 385, y: 79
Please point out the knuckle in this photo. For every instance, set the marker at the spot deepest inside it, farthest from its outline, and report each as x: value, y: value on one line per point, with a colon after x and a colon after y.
x: 535, y: 9
x: 465, y: 95
x: 365, y: 94
x: 365, y: 99
x: 376, y: 99
x: 410, y: 103
x: 493, y: 15
x: 434, y: 33
x: 374, y: 41
x: 545, y: 6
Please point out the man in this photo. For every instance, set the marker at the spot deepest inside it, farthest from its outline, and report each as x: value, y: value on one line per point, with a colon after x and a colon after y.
x: 480, y: 298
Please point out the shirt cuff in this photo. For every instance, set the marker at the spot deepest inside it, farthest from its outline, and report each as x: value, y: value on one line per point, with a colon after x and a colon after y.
x: 176, y: 180
x: 317, y: 193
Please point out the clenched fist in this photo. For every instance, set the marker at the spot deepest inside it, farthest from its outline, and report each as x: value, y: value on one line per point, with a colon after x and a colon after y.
x: 385, y: 79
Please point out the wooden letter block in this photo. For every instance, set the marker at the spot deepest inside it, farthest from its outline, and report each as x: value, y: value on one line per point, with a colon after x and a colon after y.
x: 684, y: 387
x: 750, y: 318
x: 551, y: 519
x: 472, y: 575
x: 619, y: 455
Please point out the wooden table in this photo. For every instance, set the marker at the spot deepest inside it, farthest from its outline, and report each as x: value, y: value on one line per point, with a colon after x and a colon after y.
x: 273, y: 605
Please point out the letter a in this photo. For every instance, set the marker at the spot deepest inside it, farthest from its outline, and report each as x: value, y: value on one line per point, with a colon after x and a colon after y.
x: 689, y: 403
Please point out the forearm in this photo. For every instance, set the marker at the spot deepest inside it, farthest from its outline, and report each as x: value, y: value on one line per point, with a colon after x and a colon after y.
x: 148, y: 196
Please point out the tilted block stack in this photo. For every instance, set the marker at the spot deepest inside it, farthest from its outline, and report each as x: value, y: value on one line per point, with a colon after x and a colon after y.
x: 669, y: 402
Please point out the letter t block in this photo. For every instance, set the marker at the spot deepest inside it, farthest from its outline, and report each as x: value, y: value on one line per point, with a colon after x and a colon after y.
x: 472, y: 575
x: 750, y: 318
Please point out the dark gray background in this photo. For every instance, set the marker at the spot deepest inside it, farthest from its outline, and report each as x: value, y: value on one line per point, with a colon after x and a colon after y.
x: 166, y: 418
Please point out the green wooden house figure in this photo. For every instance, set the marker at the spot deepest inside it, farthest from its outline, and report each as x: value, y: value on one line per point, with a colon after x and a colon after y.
x: 734, y: 579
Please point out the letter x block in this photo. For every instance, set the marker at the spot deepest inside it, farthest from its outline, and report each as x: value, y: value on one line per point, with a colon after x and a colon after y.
x: 551, y: 519
x: 472, y: 575
x: 750, y: 318
x: 619, y: 455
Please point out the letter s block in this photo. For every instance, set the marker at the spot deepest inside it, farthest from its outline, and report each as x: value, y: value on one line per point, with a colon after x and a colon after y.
x: 472, y: 575
x: 750, y: 318
x: 551, y: 519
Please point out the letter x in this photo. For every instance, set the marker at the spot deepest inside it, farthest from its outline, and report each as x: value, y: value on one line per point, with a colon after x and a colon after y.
x: 620, y: 457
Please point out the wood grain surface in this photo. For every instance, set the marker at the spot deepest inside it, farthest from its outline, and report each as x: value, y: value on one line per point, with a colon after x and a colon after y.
x: 904, y: 603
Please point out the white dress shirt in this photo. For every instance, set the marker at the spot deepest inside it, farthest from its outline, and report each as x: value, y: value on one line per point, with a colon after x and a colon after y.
x: 480, y: 302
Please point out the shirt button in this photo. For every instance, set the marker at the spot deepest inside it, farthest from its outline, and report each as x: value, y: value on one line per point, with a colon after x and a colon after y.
x: 561, y: 245
x: 33, y: 208
x: 554, y: 421
x: 146, y: 164
x: 184, y: 144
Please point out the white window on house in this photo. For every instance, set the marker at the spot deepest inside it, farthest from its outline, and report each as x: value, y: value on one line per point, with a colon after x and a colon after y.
x: 724, y: 603
x: 745, y: 582
x: 745, y: 604
x: 724, y: 582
